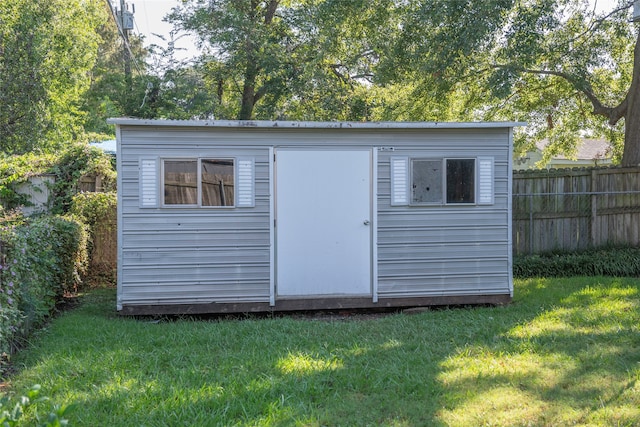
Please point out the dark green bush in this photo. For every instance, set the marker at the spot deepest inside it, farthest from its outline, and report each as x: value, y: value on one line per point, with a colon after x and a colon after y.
x: 43, y: 259
x: 93, y: 208
x: 98, y: 212
x: 616, y: 262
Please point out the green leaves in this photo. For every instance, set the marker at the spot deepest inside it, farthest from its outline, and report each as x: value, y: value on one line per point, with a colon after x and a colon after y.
x: 12, y: 417
x: 47, y: 49
x: 305, y: 60
x: 550, y: 63
x: 42, y: 260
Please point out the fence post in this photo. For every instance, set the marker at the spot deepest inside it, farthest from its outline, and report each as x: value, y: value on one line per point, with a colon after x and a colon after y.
x: 1, y: 259
x: 594, y: 209
x: 531, y: 224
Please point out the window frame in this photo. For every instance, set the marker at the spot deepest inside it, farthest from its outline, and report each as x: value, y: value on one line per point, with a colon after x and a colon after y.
x: 443, y: 177
x: 198, y: 161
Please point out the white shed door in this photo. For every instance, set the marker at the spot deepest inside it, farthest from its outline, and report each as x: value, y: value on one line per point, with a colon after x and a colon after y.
x: 323, y: 232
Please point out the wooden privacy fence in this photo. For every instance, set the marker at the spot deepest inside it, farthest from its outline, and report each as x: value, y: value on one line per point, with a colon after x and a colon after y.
x: 557, y: 209
x: 91, y: 183
x: 573, y: 209
x: 104, y: 254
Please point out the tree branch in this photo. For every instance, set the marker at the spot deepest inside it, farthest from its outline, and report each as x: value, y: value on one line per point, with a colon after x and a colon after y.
x: 595, y: 24
x: 262, y: 91
x: 271, y: 11
x: 613, y: 114
x: 362, y: 76
x: 338, y: 74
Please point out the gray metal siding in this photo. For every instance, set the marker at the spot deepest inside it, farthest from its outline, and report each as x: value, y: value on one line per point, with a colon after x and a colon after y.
x: 446, y: 250
x: 175, y: 255
x: 199, y: 255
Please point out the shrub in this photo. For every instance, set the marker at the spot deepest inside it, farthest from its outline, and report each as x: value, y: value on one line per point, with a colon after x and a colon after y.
x: 93, y: 208
x: 617, y: 262
x: 42, y: 260
x: 77, y: 161
x: 11, y: 414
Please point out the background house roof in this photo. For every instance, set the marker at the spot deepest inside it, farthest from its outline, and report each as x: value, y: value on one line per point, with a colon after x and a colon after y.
x: 588, y: 149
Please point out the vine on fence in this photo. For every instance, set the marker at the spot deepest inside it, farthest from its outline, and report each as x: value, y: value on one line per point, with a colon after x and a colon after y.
x: 68, y: 167
x: 98, y: 211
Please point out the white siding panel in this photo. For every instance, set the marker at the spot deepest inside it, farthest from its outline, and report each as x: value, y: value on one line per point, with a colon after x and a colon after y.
x: 439, y: 285
x: 397, y: 236
x: 191, y: 241
x: 446, y: 250
x: 183, y: 292
x: 428, y: 252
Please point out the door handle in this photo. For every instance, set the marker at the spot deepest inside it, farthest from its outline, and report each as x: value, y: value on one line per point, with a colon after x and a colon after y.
x: 365, y: 222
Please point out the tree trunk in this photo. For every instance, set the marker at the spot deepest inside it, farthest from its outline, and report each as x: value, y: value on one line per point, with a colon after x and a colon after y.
x: 248, y: 92
x: 246, y: 108
x: 250, y: 95
x: 631, y: 153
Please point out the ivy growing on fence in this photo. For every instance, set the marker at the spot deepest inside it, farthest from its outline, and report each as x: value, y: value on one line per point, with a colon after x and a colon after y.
x: 68, y: 167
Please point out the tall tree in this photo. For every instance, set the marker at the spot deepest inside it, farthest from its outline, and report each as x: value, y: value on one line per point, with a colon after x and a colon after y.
x: 305, y: 59
x: 47, y: 49
x: 557, y: 64
x: 110, y: 93
x: 248, y: 39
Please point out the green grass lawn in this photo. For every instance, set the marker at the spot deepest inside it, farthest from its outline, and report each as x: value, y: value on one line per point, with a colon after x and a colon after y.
x: 565, y: 352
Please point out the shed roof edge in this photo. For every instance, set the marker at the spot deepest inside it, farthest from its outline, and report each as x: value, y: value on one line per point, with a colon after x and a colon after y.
x: 265, y: 124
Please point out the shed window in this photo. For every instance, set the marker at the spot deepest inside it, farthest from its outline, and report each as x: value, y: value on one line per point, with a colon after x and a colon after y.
x: 217, y: 182
x: 461, y: 183
x: 438, y: 181
x: 426, y: 181
x: 203, y: 182
x: 180, y: 182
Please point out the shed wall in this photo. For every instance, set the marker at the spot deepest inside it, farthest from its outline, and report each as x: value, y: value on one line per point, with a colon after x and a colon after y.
x: 179, y: 255
x: 195, y: 255
x: 446, y: 250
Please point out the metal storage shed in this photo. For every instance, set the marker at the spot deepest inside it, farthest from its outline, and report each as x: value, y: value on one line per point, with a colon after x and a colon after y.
x: 242, y: 216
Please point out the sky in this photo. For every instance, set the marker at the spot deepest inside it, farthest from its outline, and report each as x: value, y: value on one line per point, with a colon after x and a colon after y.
x: 149, y: 16
x: 148, y: 21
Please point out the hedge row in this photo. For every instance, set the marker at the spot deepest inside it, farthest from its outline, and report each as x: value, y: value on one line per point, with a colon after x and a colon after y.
x: 41, y: 260
x: 617, y: 262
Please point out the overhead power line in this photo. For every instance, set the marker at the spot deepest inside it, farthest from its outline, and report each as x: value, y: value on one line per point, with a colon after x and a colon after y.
x: 120, y: 19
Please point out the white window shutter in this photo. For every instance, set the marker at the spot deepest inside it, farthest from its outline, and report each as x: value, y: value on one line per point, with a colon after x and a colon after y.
x: 148, y: 183
x: 485, y: 180
x: 399, y: 181
x: 246, y: 183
